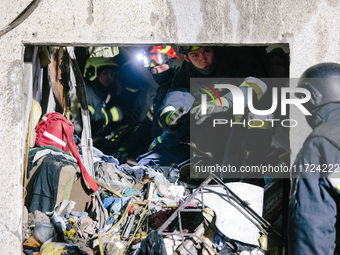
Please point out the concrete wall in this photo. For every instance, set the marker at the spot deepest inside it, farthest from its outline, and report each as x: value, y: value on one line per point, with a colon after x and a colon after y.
x: 311, y: 27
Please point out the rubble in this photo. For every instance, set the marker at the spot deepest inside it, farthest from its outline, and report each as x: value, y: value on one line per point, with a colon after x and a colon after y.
x: 136, y: 206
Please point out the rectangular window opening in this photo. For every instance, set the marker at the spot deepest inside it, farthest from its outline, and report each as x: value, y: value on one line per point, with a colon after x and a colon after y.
x: 114, y: 99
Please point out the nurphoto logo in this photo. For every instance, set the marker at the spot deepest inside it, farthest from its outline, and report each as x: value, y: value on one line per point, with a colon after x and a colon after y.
x: 240, y: 104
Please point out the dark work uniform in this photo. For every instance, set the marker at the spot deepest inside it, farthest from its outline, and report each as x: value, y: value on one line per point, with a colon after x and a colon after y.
x: 139, y: 142
x: 235, y: 62
x: 100, y: 116
x: 314, y: 204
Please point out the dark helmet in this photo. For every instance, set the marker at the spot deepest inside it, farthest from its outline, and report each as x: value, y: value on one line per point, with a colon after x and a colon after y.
x: 158, y: 55
x: 93, y: 64
x: 323, y: 82
x: 187, y: 49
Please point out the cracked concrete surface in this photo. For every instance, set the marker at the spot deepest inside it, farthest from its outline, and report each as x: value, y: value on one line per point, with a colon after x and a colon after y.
x: 89, y: 20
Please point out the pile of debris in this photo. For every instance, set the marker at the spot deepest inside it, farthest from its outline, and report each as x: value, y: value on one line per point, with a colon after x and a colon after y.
x: 137, y: 210
x: 112, y: 208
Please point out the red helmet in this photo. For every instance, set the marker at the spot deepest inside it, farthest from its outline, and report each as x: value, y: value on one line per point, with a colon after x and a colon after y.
x: 158, y: 55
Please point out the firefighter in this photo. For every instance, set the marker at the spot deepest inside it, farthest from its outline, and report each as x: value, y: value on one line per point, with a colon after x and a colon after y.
x: 160, y: 62
x: 103, y: 98
x: 200, y: 62
x: 314, y: 197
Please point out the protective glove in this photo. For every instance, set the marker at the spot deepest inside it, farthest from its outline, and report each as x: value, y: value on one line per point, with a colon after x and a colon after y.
x: 212, y: 107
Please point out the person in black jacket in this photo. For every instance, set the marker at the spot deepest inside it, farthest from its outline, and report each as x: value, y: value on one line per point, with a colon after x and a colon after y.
x: 160, y: 62
x: 315, y: 196
x: 104, y: 98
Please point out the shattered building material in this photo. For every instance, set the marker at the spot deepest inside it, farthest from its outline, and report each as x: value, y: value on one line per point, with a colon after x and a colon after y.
x: 134, y: 206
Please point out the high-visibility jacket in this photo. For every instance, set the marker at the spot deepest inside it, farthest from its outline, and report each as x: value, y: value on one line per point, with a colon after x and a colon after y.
x: 101, y: 115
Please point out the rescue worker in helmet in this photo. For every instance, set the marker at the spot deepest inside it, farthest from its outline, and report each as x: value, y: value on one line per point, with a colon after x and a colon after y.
x: 200, y: 62
x: 160, y: 62
x: 103, y: 98
x: 314, y: 198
